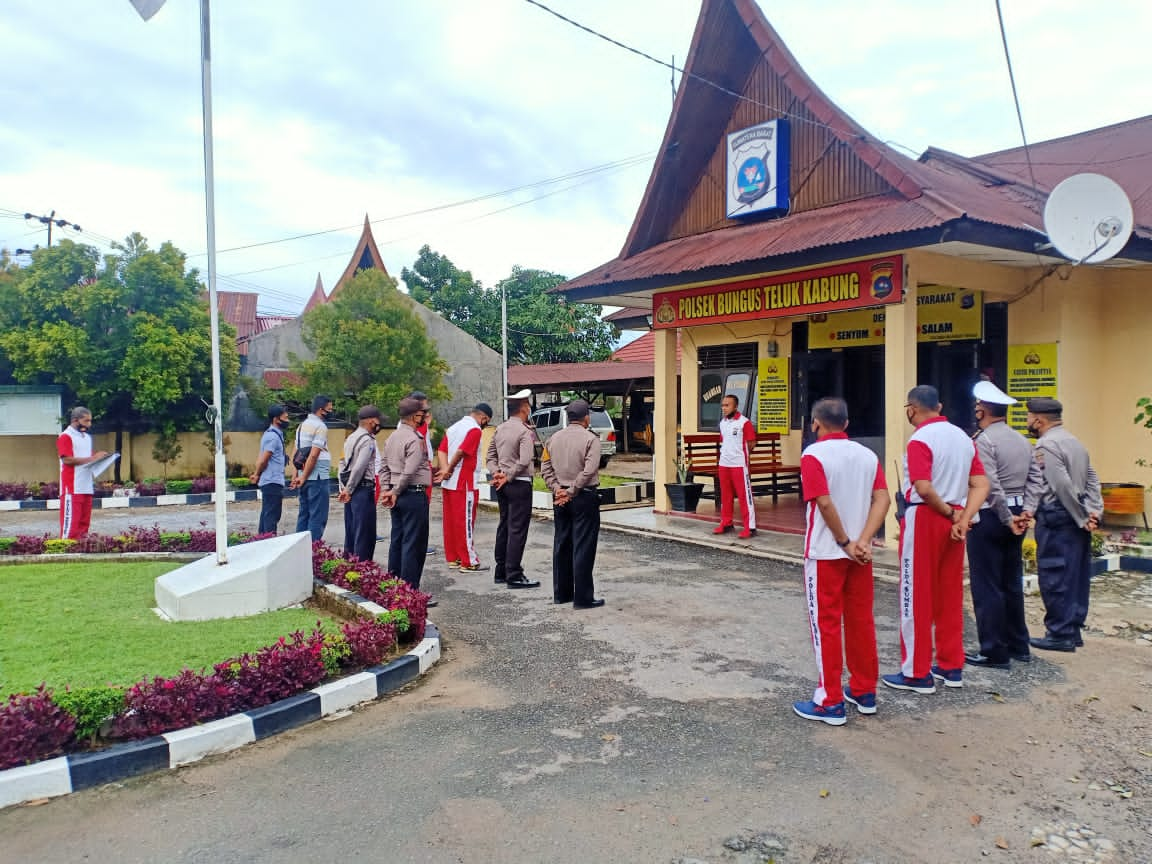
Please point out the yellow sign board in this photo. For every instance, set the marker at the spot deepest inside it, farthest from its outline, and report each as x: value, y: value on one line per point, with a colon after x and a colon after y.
x: 1031, y: 373
x: 942, y: 315
x: 773, y: 396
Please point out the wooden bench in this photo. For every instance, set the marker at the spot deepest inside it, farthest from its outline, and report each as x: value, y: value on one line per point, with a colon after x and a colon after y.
x: 770, y: 476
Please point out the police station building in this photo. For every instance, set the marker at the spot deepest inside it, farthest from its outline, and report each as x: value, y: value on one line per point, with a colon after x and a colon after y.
x: 796, y: 257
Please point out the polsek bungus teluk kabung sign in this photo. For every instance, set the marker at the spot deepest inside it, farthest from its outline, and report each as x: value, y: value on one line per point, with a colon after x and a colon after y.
x: 854, y: 285
x: 758, y: 170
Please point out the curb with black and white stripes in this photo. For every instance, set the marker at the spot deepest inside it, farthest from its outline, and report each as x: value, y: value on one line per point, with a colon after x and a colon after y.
x: 66, y: 774
x: 134, y: 501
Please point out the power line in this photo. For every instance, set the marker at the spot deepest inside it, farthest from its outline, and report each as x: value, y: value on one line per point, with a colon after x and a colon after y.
x: 607, y: 166
x: 1015, y: 95
x: 703, y: 80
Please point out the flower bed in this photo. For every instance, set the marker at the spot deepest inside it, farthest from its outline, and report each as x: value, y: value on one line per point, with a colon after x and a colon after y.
x: 43, y: 724
x: 50, y: 491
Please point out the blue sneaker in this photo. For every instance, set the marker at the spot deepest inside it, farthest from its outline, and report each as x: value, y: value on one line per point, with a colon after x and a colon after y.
x: 927, y: 684
x: 833, y: 715
x: 865, y: 702
x: 950, y: 677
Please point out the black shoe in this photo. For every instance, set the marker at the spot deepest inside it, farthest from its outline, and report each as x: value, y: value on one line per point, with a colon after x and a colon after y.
x: 981, y: 660
x: 523, y: 583
x: 1078, y: 641
x: 431, y: 550
x: 1022, y: 658
x: 595, y: 604
x: 499, y: 580
x: 1047, y: 643
x: 562, y: 602
x: 433, y: 602
x: 380, y: 539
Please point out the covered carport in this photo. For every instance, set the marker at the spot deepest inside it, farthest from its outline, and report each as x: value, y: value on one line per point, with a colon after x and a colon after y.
x: 633, y: 381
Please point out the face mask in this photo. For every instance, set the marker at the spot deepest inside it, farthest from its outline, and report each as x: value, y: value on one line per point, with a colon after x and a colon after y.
x: 911, y: 415
x: 283, y: 424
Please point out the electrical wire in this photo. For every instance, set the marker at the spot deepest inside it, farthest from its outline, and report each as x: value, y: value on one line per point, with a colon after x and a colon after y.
x: 607, y: 166
x: 1015, y: 96
x: 783, y: 112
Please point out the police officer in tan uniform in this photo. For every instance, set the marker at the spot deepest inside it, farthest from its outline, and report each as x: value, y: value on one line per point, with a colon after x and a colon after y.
x: 571, y: 470
x: 995, y: 562
x: 1063, y: 493
x: 509, y: 460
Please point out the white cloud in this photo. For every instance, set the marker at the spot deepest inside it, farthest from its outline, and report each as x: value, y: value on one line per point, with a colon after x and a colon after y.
x: 388, y: 108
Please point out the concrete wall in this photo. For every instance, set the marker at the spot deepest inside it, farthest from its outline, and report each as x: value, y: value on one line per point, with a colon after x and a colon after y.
x: 32, y: 458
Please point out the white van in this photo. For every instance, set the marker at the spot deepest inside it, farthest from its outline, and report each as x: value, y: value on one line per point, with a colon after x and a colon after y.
x: 550, y: 419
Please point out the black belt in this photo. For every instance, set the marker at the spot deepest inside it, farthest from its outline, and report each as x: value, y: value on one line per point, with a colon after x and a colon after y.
x: 416, y: 487
x: 369, y: 484
x: 591, y: 489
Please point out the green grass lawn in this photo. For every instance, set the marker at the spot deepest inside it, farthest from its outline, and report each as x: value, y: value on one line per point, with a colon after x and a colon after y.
x: 606, y: 481
x: 91, y: 624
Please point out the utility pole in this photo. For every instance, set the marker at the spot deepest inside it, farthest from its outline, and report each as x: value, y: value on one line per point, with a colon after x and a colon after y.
x: 51, y: 220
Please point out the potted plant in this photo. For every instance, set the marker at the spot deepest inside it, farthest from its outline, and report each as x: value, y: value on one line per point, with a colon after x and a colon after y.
x: 683, y: 495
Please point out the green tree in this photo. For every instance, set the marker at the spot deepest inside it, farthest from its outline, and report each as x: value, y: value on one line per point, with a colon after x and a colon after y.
x: 368, y: 347
x: 542, y: 327
x: 545, y: 327
x: 168, y: 448
x: 128, y: 335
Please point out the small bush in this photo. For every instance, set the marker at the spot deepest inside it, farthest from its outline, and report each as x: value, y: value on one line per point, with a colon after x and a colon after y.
x: 46, y: 491
x: 13, y: 491
x: 6, y: 544
x: 32, y: 727
x: 203, y: 485
x: 240, y: 482
x: 178, y: 487
x: 103, y: 489
x: 369, y: 641
x: 174, y: 541
x: 29, y: 544
x: 1099, y: 539
x: 91, y: 707
x: 58, y: 546
x: 158, y: 705
x: 150, y: 487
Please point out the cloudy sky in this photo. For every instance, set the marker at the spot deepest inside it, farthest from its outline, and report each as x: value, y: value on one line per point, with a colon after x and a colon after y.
x: 326, y: 111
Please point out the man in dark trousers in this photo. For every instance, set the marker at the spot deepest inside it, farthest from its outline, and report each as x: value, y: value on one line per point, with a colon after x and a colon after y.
x: 571, y: 470
x: 1063, y: 493
x: 510, y: 462
x: 995, y: 562
x: 269, y: 473
x: 405, y: 476
x: 358, y: 485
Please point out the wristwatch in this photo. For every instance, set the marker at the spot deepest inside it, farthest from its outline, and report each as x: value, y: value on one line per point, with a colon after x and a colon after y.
x: 845, y: 543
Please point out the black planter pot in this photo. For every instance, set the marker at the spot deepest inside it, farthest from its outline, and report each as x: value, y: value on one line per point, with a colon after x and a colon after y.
x: 684, y: 497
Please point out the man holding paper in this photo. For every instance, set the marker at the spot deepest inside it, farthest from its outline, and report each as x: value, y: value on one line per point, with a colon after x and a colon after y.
x: 76, y: 474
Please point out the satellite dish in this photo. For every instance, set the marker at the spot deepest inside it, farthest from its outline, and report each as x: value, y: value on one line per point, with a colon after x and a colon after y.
x: 1088, y: 218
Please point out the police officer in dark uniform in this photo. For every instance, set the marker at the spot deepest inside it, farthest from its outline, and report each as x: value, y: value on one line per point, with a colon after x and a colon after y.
x: 1063, y: 494
x: 995, y: 563
x: 571, y: 470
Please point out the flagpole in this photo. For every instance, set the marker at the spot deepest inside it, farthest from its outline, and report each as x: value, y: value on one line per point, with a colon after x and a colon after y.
x: 217, y: 408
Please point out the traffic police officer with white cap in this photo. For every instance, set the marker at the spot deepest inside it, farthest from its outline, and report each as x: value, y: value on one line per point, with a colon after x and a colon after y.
x: 1063, y: 492
x: 995, y: 563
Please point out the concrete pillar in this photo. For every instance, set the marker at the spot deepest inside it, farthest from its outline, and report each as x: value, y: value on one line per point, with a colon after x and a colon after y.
x: 667, y: 398
x: 899, y: 378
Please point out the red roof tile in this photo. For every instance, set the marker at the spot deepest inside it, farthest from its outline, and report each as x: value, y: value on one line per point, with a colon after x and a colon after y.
x: 278, y: 379
x: 264, y: 323
x: 642, y: 350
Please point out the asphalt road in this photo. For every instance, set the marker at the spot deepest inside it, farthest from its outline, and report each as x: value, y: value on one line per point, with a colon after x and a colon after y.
x: 651, y: 730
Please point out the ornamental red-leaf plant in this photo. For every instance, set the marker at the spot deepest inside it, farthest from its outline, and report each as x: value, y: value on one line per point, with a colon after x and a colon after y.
x: 33, y: 727
x: 368, y: 641
x: 157, y: 705
x: 292, y: 664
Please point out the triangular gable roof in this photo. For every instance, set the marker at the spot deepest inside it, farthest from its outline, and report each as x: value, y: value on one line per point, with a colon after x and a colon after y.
x: 735, y: 47
x: 987, y: 201
x: 366, y: 257
x: 318, y: 296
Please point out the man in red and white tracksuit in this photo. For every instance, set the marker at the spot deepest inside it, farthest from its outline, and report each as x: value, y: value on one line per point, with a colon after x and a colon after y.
x: 737, y: 439
x: 457, y: 459
x: 944, y: 486
x: 846, y: 498
x: 74, y: 446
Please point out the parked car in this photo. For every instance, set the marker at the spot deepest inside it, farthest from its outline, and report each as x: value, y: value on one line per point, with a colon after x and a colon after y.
x: 550, y: 419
